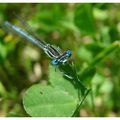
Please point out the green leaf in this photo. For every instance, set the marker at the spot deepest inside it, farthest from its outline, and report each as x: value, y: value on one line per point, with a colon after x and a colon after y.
x: 70, y: 73
x: 56, y: 78
x: 84, y: 19
x: 48, y: 101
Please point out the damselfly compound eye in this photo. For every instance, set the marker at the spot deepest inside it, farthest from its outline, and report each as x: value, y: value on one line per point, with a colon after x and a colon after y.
x: 55, y: 62
x: 68, y: 53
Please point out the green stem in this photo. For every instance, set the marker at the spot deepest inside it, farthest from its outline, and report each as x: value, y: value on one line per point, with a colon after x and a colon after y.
x: 114, y: 46
x: 76, y: 113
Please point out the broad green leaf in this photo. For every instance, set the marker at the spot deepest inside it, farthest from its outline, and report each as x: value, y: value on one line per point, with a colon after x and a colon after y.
x: 74, y: 86
x: 70, y: 73
x: 48, y: 101
x: 56, y: 78
x: 84, y: 19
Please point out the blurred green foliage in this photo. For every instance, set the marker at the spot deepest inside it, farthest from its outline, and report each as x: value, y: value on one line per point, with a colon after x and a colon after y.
x: 86, y: 29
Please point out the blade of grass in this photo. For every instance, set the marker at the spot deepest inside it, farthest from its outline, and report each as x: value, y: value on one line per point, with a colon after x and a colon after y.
x: 101, y: 56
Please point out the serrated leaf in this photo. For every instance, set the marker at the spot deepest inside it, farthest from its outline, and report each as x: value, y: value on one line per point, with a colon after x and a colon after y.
x: 47, y: 101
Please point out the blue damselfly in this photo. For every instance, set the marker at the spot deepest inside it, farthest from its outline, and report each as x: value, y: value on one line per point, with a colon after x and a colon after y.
x: 57, y: 56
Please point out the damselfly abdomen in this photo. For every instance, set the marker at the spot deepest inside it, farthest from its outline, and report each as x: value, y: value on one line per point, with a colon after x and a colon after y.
x: 57, y: 56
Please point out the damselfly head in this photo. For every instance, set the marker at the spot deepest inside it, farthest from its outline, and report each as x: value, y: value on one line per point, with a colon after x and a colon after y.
x: 68, y: 53
x: 55, y: 62
x: 62, y: 59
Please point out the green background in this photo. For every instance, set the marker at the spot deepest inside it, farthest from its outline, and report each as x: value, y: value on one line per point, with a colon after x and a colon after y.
x: 86, y: 29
